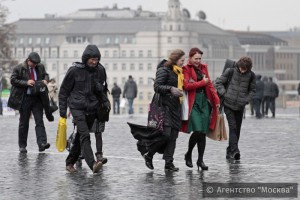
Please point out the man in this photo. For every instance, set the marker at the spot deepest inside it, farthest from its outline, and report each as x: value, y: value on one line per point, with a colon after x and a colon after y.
x: 273, y: 95
x: 130, y: 92
x: 82, y: 90
x: 240, y: 91
x: 28, y: 98
x: 116, y: 92
x: 259, y: 94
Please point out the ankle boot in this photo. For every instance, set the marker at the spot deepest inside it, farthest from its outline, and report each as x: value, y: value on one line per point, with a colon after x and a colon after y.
x: 100, y: 158
x: 148, y: 160
x: 202, y: 165
x: 188, y: 160
x: 171, y: 167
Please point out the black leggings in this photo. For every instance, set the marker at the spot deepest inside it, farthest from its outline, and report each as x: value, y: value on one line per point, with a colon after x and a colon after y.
x: 199, y: 139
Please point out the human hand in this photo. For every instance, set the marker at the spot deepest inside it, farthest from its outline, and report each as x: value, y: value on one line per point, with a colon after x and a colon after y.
x: 191, y: 80
x: 205, y: 79
x: 30, y: 82
x: 176, y: 92
x: 45, y: 82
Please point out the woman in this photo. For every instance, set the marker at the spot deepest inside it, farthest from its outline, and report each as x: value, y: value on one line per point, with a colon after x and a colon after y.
x: 202, y: 100
x: 168, y: 84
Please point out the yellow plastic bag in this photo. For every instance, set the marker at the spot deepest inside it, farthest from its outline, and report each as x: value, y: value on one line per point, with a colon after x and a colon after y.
x: 61, y: 136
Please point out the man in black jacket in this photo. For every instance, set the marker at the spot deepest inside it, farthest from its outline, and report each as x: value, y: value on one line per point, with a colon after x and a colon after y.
x: 240, y: 92
x: 82, y: 90
x: 116, y: 92
x: 27, y: 97
x: 259, y: 94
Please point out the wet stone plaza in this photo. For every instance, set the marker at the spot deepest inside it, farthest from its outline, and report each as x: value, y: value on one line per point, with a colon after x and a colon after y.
x: 270, y: 153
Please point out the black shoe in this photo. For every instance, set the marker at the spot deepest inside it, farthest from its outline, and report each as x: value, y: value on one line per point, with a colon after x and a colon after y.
x: 202, y: 165
x: 148, y: 161
x: 171, y: 167
x: 236, y: 155
x: 188, y: 160
x: 42, y: 147
x: 228, y: 156
x: 23, y: 150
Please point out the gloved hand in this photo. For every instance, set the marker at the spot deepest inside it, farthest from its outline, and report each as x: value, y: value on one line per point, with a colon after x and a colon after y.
x: 176, y: 92
x: 63, y: 115
x: 106, y: 106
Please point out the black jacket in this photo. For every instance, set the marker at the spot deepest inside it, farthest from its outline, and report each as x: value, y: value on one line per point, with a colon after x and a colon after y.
x: 259, y: 94
x: 165, y: 79
x: 18, y: 80
x: 240, y: 90
x: 116, y: 92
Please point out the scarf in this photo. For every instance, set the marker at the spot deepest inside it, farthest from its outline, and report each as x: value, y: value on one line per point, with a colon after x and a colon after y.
x: 178, y: 70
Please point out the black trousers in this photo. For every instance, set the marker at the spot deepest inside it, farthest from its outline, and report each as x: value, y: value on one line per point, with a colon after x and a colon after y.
x: 31, y: 104
x: 257, y: 105
x: 234, y: 118
x: 271, y: 105
x: 82, y: 142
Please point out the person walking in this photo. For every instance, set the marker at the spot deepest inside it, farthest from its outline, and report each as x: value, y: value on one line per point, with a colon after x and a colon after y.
x: 52, y: 90
x: 82, y: 90
x: 26, y: 98
x: 168, y: 85
x: 116, y: 93
x: 202, y: 100
x: 274, y: 94
x: 240, y: 91
x: 130, y: 92
x: 259, y: 94
x: 267, y: 96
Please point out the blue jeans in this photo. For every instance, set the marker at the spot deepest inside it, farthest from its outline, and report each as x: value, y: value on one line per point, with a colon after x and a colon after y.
x: 130, y: 105
x: 116, y: 103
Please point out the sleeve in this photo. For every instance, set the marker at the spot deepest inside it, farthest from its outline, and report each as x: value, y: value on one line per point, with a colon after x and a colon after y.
x: 65, y: 90
x: 221, y: 82
x: 187, y: 85
x: 252, y: 87
x: 45, y: 75
x: 161, y: 80
x: 15, y: 79
x: 136, y: 90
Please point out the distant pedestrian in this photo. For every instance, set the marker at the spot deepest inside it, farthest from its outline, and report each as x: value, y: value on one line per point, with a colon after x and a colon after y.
x: 240, y: 91
x: 130, y: 92
x: 116, y: 93
x: 52, y: 90
x: 259, y: 94
x: 28, y: 95
x: 299, y: 89
x: 202, y: 97
x: 267, y: 96
x: 273, y: 96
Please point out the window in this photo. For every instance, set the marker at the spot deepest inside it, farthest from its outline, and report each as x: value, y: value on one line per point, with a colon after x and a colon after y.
x: 133, y: 40
x: 169, y: 40
x: 65, y: 53
x: 115, y: 53
x: 38, y: 40
x: 106, y: 53
x: 107, y: 40
x: 20, y: 54
x: 116, y: 40
x: 141, y: 81
x: 47, y: 40
x: 21, y: 40
x: 150, y: 81
x: 115, y: 79
x: 125, y: 39
x: 115, y: 66
x: 141, y: 66
x: 30, y: 40
x: 106, y: 66
x: 53, y: 54
x: 123, y: 53
x: 132, y: 67
x: 131, y: 53
x: 75, y: 54
x: 149, y: 67
x: 140, y: 53
x: 141, y: 96
x: 150, y: 96
x: 123, y: 66
x: 149, y: 53
x: 53, y: 67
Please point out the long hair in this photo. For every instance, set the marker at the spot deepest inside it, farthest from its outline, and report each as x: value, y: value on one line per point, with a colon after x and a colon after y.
x: 245, y: 62
x: 174, y: 56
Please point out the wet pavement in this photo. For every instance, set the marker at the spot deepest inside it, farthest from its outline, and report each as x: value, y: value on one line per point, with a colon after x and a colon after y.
x: 270, y: 153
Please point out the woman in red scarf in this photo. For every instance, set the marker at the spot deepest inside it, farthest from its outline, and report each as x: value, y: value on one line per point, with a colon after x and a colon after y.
x: 203, y: 105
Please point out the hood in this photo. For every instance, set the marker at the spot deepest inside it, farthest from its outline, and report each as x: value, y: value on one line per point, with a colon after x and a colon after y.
x: 161, y: 64
x: 258, y: 77
x: 78, y: 65
x: 91, y: 51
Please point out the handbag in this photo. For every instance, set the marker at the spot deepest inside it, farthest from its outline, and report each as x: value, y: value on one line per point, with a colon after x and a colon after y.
x: 156, y: 113
x: 52, y: 105
x: 38, y: 87
x: 122, y: 103
x: 219, y: 133
x: 185, y: 106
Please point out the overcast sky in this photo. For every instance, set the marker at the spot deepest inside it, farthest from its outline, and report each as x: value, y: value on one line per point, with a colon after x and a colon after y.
x: 258, y: 15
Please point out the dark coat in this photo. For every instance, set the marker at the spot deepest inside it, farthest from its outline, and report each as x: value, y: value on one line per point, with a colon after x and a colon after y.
x: 116, y: 92
x: 240, y: 90
x: 259, y: 94
x: 19, y: 78
x: 274, y: 90
x: 164, y: 81
x: 130, y: 89
x: 83, y: 87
